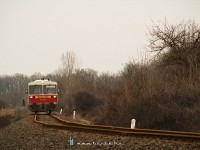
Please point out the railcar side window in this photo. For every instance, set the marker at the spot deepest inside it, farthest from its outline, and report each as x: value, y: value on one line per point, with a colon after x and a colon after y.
x: 49, y: 89
x: 35, y: 89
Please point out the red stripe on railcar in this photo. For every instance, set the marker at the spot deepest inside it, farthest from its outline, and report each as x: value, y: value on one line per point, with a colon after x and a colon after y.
x: 42, y: 98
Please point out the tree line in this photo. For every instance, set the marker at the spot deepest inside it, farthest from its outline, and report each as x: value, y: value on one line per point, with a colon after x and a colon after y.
x: 163, y: 93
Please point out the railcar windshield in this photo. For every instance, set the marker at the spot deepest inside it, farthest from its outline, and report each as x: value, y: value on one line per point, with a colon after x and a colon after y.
x: 35, y: 89
x: 49, y: 89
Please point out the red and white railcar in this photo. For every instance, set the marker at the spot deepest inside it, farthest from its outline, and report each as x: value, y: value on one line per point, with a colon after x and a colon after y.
x: 42, y: 95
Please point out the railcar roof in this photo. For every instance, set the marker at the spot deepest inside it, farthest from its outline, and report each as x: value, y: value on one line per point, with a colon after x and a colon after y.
x: 42, y: 82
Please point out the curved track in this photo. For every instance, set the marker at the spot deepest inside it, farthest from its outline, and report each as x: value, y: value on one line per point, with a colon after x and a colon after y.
x: 59, y: 123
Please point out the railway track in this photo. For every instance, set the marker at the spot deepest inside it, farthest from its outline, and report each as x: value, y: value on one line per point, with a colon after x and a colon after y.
x: 164, y: 134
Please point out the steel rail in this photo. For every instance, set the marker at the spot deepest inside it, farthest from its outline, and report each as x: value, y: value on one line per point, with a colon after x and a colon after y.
x: 66, y: 125
x: 126, y: 129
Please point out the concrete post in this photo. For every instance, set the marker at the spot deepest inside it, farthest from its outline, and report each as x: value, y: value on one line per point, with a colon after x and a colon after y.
x: 74, y: 114
x: 133, y: 121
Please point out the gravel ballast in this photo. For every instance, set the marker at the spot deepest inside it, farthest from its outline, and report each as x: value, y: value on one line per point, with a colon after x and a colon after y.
x: 27, y: 135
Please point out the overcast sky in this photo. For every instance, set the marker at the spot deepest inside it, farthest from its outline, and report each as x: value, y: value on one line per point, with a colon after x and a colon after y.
x: 104, y: 34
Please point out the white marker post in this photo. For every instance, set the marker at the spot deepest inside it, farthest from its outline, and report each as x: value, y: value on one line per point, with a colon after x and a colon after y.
x: 61, y: 111
x: 133, y: 121
x: 74, y: 114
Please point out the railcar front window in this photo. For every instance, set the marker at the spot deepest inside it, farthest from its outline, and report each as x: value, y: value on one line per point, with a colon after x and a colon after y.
x: 49, y: 89
x: 35, y: 89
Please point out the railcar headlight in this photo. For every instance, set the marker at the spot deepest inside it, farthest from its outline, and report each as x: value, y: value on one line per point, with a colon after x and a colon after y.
x: 54, y: 96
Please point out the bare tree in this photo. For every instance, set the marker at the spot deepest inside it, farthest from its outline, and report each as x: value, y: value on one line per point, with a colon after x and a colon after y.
x: 69, y: 63
x: 12, y: 89
x: 176, y: 44
x: 66, y: 80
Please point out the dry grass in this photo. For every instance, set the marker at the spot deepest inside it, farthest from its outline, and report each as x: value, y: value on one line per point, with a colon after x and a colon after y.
x: 7, y: 112
x: 78, y: 118
x: 8, y: 115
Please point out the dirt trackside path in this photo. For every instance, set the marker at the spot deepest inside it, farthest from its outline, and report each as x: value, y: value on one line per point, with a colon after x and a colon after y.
x: 27, y: 135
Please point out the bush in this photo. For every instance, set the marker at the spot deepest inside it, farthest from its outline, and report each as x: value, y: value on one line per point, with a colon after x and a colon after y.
x: 85, y: 102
